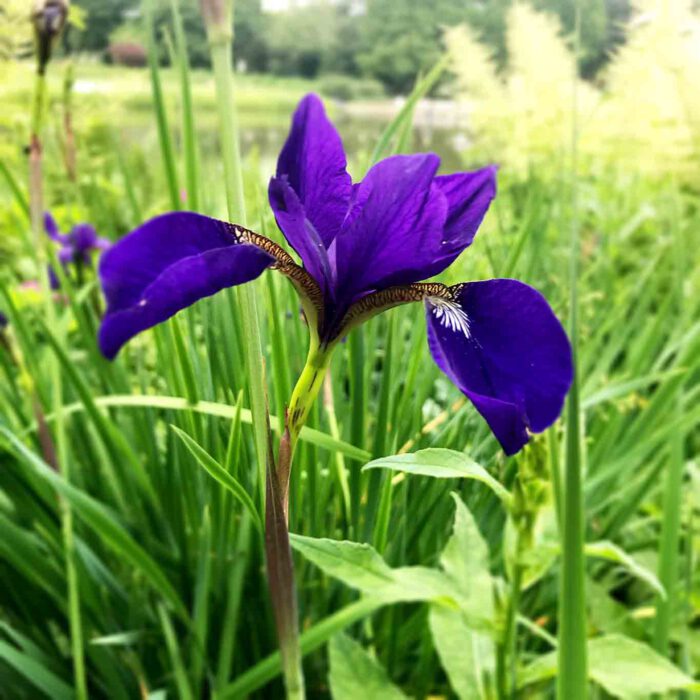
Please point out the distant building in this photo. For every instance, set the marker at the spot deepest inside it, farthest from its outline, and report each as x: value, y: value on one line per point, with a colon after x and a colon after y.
x: 356, y: 7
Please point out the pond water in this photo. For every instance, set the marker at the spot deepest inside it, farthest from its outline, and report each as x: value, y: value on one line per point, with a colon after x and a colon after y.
x: 439, y: 127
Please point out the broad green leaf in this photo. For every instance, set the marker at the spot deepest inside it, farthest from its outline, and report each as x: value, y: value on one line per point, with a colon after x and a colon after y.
x: 466, y: 654
x: 629, y: 669
x: 465, y: 560
x: 360, y: 566
x: 441, y: 464
x: 624, y: 667
x: 36, y: 673
x: 611, y: 552
x: 215, y: 470
x: 103, y: 522
x: 355, y: 674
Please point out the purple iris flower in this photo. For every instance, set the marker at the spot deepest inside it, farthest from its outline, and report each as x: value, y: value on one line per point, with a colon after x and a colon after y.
x: 76, y: 246
x: 365, y: 247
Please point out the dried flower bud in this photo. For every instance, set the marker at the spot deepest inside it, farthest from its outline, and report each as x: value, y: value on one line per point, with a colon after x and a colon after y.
x: 217, y: 17
x: 48, y: 17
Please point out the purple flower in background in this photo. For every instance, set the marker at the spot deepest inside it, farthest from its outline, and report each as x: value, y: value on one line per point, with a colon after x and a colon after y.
x: 365, y: 247
x: 76, y: 246
x: 3, y: 321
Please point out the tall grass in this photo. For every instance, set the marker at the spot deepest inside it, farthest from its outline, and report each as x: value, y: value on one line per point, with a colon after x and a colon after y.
x: 165, y: 485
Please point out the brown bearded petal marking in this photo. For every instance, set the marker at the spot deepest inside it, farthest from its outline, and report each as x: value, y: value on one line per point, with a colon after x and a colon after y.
x: 376, y: 303
x: 304, y: 283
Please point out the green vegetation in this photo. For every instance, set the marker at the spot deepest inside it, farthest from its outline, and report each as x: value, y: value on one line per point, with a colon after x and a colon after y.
x: 427, y: 563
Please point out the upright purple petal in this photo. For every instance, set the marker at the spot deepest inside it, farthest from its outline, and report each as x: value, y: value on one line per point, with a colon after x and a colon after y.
x: 397, y: 212
x: 165, y: 265
x: 502, y: 345
x: 468, y: 198
x: 313, y: 163
x: 51, y: 228
x: 300, y: 231
x: 83, y: 237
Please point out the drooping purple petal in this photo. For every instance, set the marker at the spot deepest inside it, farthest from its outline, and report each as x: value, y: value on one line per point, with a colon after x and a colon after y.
x: 165, y: 265
x: 300, y: 231
x: 313, y: 162
x: 397, y: 211
x: 502, y: 345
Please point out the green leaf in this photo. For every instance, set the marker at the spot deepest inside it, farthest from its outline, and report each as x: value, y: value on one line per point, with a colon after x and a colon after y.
x: 355, y: 674
x: 210, y: 408
x: 466, y: 655
x: 36, y: 673
x: 611, y: 552
x: 624, y: 667
x: 215, y: 470
x: 629, y: 669
x: 101, y: 520
x: 465, y: 560
x: 125, y: 639
x: 359, y: 566
x: 441, y: 464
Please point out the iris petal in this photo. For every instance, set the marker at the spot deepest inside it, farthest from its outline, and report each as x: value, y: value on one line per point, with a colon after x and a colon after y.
x: 165, y: 265
x: 51, y: 228
x: 468, y: 198
x: 292, y: 219
x: 511, y: 356
x: 313, y: 163
x: 397, y: 210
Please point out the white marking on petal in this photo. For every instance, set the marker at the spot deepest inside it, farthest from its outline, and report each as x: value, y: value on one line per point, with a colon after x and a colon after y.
x: 450, y: 314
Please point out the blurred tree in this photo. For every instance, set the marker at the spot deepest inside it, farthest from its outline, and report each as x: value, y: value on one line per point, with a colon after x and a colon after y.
x: 102, y: 18
x: 402, y: 38
x: 249, y: 35
x: 298, y: 39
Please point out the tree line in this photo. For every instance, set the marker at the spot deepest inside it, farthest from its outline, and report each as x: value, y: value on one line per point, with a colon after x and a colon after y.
x: 391, y: 41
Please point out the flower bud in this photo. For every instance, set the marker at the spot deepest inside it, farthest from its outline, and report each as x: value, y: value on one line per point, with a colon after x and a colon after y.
x: 48, y: 18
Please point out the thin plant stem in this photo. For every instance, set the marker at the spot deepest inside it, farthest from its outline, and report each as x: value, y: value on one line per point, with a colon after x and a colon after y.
x: 572, y: 683
x: 279, y: 556
x: 672, y: 507
x: 506, y: 652
x: 54, y: 452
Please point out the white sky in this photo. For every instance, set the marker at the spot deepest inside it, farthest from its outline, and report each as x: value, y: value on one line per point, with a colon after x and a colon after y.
x: 282, y: 5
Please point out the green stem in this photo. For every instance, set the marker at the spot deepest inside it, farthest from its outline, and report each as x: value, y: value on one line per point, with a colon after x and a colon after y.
x: 307, y: 387
x: 233, y: 175
x: 669, y: 546
x: 572, y: 679
x: 279, y: 558
x: 506, y: 653
x: 56, y: 454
